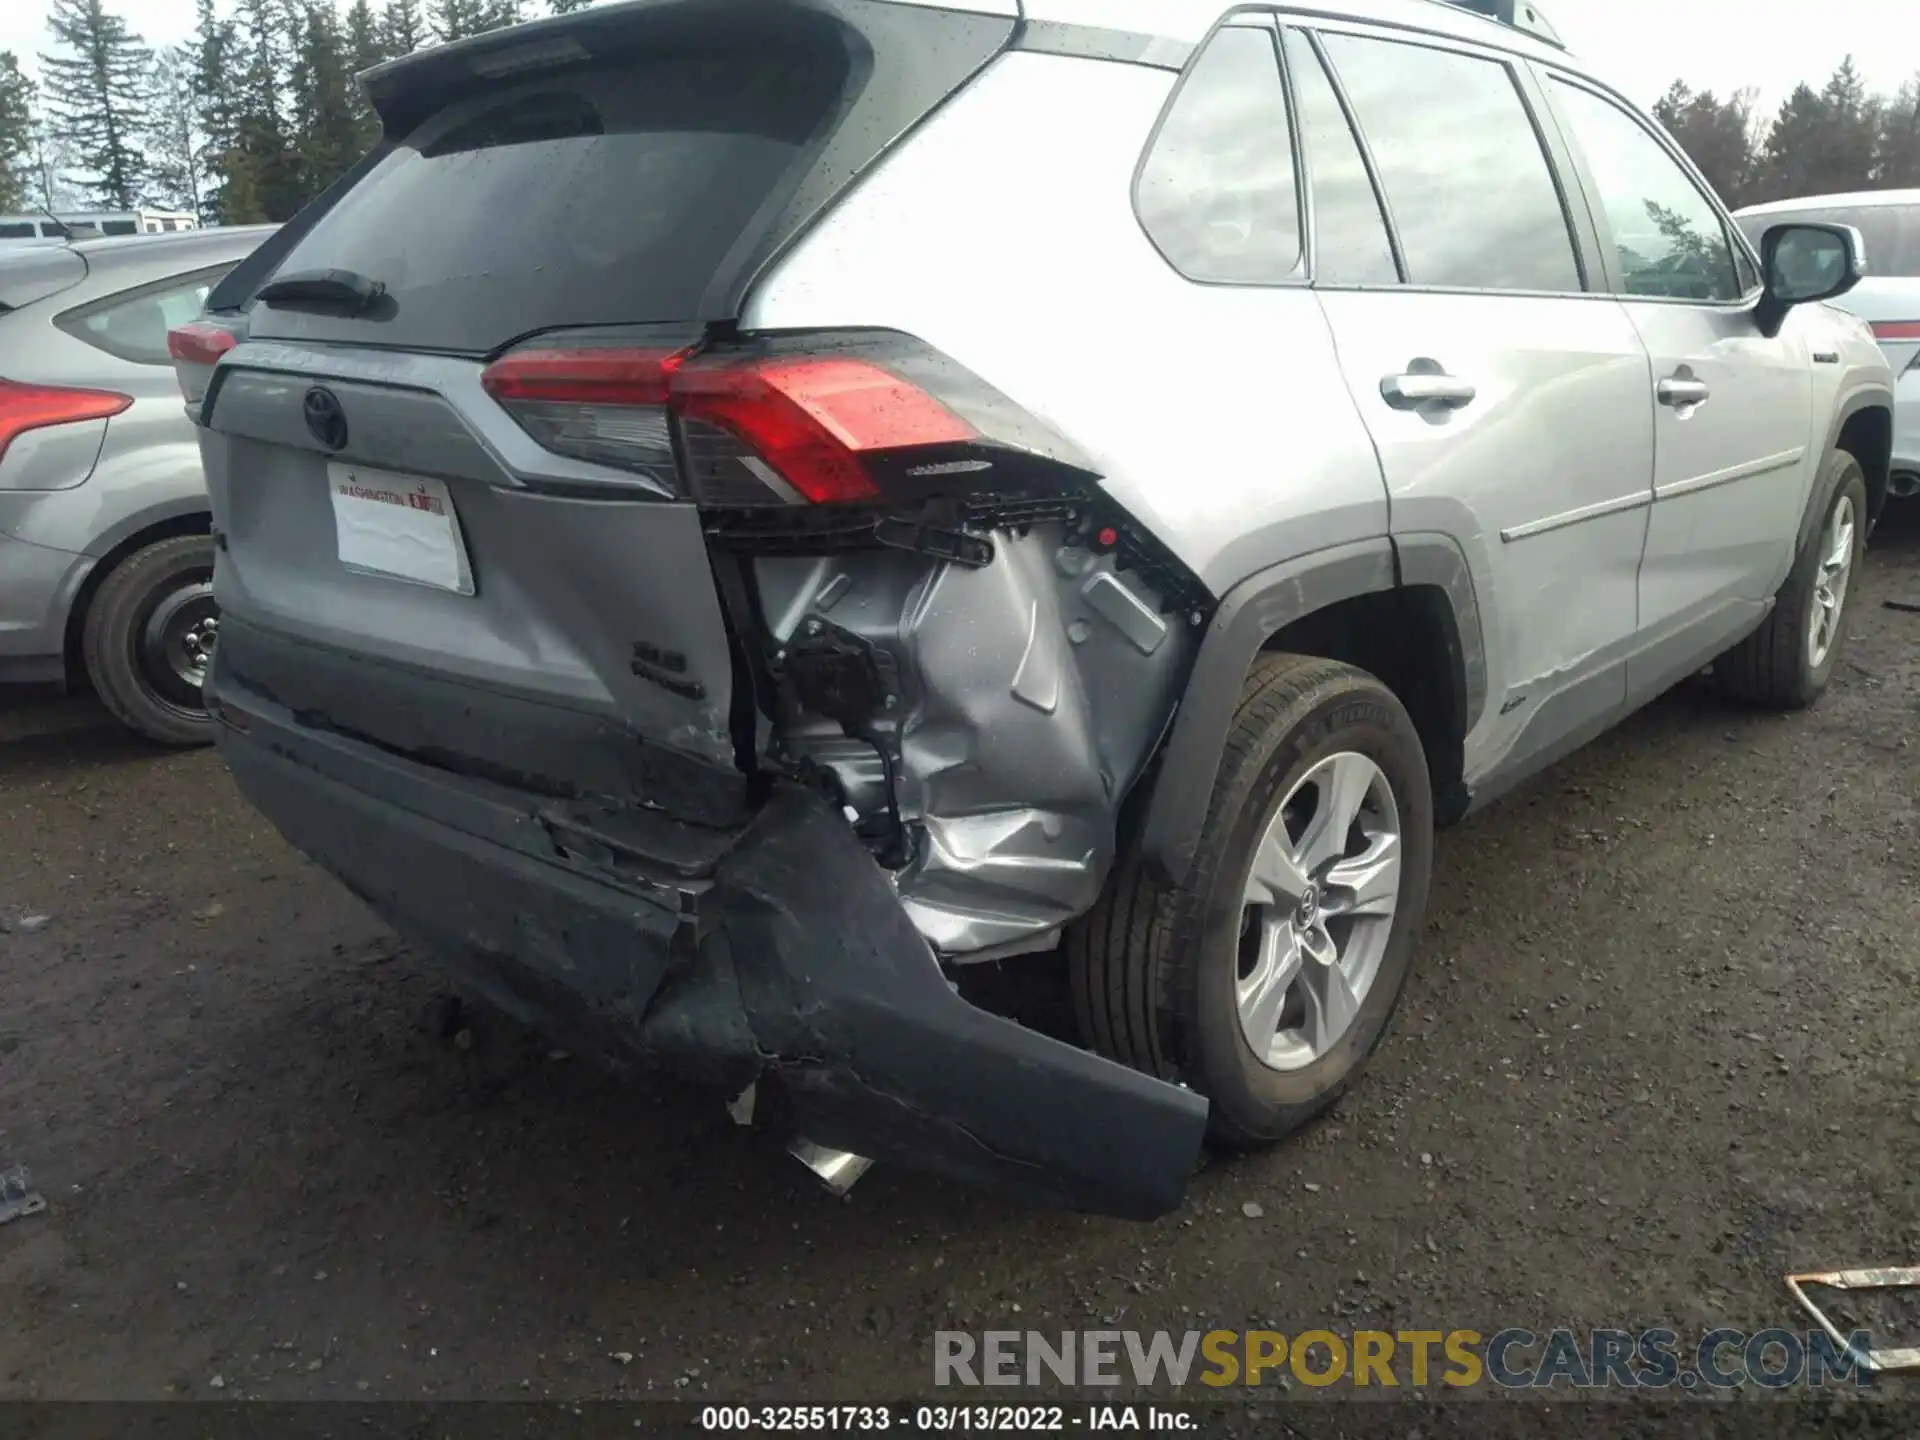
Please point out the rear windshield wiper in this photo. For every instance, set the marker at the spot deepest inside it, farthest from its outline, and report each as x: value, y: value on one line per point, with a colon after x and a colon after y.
x: 344, y: 291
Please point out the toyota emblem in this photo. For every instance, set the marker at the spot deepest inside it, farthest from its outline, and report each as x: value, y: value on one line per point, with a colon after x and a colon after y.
x: 325, y: 419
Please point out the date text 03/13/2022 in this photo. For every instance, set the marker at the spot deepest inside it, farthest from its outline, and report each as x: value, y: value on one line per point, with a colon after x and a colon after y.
x: 945, y: 1419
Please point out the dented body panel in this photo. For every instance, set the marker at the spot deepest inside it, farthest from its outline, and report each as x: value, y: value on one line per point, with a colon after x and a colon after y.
x: 779, y: 956
x: 1033, y: 692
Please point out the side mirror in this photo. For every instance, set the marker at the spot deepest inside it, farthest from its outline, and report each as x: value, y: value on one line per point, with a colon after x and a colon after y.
x: 1804, y: 263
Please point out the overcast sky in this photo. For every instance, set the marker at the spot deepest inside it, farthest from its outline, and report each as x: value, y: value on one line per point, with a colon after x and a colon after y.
x: 1640, y: 45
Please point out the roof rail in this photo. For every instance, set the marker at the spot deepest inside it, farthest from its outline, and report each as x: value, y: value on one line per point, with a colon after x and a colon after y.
x: 1522, y: 15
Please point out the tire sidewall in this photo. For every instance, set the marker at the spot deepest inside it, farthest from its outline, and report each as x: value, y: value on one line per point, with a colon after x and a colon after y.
x: 1843, y: 478
x: 126, y: 599
x: 1259, y: 1101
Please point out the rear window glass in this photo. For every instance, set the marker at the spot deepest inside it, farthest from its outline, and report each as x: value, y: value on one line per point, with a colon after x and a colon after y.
x: 1891, y: 233
x: 606, y: 193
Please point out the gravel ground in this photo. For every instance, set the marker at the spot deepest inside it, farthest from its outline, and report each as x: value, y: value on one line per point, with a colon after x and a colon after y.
x: 1660, y: 1048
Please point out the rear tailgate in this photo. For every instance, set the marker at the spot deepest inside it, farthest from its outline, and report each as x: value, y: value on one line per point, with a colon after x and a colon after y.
x: 635, y: 166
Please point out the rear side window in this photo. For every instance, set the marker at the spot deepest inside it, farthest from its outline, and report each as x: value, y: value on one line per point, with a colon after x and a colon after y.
x: 1464, y: 172
x: 1670, y: 240
x: 1350, y: 245
x: 119, y: 227
x: 1217, y: 192
x: 133, y: 325
x: 1892, y: 233
x: 16, y: 232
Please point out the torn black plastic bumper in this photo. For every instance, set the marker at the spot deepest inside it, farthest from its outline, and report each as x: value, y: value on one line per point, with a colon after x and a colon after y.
x: 782, y: 957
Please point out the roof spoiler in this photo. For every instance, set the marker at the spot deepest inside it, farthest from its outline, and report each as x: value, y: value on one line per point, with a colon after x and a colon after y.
x: 1522, y: 15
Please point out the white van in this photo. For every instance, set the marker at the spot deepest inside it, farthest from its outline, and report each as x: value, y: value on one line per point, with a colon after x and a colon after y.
x: 1888, y: 298
x: 41, y: 228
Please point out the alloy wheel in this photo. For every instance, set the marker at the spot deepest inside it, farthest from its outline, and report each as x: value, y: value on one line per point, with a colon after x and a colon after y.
x: 1317, y: 911
x: 1830, y: 582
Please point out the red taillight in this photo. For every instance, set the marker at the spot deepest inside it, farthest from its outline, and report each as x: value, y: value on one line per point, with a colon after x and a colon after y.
x: 35, y: 407
x: 196, y: 348
x: 584, y: 377
x: 810, y: 419
x: 200, y: 343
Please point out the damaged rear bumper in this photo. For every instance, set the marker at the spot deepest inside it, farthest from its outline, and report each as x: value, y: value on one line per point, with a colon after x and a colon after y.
x: 778, y: 954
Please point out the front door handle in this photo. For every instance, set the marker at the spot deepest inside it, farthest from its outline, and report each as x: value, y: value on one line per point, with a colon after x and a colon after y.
x: 1419, y: 389
x: 1679, y: 393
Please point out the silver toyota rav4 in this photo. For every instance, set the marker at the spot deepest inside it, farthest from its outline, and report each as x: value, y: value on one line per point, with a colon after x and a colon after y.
x: 739, y: 510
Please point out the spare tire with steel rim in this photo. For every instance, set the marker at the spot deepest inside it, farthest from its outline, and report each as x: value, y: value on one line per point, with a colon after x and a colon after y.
x: 149, y: 636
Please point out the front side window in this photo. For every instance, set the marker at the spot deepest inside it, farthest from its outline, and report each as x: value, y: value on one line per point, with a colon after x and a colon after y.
x: 1671, y: 241
x: 1465, y: 176
x: 1217, y: 192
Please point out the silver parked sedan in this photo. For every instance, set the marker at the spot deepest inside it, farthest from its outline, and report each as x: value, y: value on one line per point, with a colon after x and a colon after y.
x: 105, y: 552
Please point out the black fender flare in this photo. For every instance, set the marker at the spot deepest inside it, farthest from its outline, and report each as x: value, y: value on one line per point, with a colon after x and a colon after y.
x: 1250, y: 614
x: 1864, y: 397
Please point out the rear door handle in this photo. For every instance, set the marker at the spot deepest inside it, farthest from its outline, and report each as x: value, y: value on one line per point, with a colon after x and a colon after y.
x: 1683, y: 392
x: 1417, y: 390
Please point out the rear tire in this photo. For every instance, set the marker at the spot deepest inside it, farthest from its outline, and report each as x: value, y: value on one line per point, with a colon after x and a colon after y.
x: 1787, y: 662
x: 1178, y: 981
x: 149, y: 636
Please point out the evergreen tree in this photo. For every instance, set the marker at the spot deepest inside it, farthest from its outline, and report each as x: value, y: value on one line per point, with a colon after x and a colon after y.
x: 1717, y: 134
x: 1851, y: 130
x: 366, y: 47
x: 1897, y: 153
x: 326, y: 126
x: 174, y: 138
x: 402, y: 30
x: 213, y: 85
x: 1789, y: 160
x: 365, y: 42
x: 457, y: 19
x: 19, y: 187
x: 94, y: 97
x: 260, y: 170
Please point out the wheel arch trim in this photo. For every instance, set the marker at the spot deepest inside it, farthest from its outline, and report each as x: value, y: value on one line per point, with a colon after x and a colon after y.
x: 1250, y: 614
x: 1872, y: 396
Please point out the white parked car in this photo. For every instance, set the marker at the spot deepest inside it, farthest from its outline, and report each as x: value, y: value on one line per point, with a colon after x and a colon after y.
x: 1887, y: 297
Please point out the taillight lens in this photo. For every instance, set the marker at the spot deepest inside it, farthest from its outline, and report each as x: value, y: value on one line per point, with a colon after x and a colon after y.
x: 35, y: 407
x: 196, y: 348
x: 814, y: 420
x: 1884, y: 330
x: 757, y: 429
x: 604, y: 404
